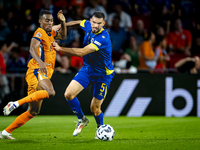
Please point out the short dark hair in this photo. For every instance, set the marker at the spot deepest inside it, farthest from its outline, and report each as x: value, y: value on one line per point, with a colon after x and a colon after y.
x: 44, y: 12
x: 99, y: 14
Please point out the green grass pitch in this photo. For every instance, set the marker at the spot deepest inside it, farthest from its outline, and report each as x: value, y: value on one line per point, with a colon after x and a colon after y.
x: 151, y: 133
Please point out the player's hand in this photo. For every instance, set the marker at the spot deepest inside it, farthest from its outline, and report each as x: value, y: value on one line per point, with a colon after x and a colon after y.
x: 43, y: 68
x: 60, y: 16
x: 56, y: 46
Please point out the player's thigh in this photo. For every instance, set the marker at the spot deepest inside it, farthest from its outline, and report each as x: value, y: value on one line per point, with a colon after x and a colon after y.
x: 45, y: 84
x: 79, y: 82
x: 73, y: 89
x: 37, y: 81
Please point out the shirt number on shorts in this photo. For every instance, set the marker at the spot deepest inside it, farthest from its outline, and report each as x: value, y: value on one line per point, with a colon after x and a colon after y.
x: 102, y: 87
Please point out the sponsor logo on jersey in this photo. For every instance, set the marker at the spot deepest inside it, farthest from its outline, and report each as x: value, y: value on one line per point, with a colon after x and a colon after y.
x: 96, y: 42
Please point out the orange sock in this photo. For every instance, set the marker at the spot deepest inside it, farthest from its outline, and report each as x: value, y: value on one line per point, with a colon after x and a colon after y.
x: 34, y: 97
x: 19, y: 121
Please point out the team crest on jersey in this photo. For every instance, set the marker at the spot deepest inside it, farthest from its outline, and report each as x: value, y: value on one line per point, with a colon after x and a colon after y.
x: 92, y: 40
x: 38, y: 35
x: 103, y: 37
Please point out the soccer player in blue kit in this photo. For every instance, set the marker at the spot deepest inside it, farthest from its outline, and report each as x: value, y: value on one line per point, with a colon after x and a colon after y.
x: 97, y: 69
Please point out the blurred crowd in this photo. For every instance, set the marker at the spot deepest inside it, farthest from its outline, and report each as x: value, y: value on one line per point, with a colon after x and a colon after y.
x: 147, y: 35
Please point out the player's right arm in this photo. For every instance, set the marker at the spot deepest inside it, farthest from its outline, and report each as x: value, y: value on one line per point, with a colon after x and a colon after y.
x: 33, y: 51
x: 80, y: 52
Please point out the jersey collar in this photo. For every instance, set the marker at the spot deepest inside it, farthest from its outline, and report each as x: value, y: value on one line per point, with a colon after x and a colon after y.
x: 48, y: 33
x: 99, y: 31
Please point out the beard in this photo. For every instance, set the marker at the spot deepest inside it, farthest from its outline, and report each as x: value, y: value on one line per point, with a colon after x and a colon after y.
x: 48, y: 29
x: 96, y: 30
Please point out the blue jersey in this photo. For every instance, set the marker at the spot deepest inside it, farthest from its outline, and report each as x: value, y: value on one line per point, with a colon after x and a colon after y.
x: 100, y: 61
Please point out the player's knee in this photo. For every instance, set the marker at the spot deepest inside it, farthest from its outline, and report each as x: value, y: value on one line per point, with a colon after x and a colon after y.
x: 69, y: 96
x: 95, y: 110
x: 35, y: 113
x: 51, y: 92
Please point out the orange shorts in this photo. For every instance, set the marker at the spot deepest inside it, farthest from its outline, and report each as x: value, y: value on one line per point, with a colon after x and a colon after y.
x: 34, y: 76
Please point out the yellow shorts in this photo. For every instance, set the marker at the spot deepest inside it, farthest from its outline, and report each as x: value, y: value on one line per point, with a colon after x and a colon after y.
x: 34, y: 76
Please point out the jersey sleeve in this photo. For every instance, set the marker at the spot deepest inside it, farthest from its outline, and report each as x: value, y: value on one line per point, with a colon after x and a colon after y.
x: 38, y: 35
x: 99, y: 42
x: 85, y: 25
x: 54, y: 33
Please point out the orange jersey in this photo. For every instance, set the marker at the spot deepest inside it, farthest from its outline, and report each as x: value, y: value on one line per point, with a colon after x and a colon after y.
x: 45, y: 49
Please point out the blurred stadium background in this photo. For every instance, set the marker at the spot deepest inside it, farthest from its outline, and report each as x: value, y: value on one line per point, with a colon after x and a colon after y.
x: 161, y: 89
x: 141, y: 87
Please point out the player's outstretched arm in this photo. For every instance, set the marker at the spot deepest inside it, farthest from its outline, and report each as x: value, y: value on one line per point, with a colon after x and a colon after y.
x: 68, y: 24
x: 33, y: 51
x: 80, y: 52
x: 73, y: 23
x: 62, y: 32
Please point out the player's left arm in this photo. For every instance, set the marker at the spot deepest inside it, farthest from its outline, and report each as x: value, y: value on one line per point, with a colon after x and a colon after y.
x: 80, y: 52
x: 62, y: 32
x: 68, y: 24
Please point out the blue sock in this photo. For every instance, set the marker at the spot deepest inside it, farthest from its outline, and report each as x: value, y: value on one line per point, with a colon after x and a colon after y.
x: 76, y: 107
x: 99, y: 119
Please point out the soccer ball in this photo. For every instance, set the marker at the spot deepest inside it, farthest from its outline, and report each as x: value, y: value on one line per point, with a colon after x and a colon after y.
x: 105, y: 132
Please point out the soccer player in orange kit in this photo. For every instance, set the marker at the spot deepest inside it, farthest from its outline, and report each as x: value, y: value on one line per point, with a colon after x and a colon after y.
x: 40, y: 70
